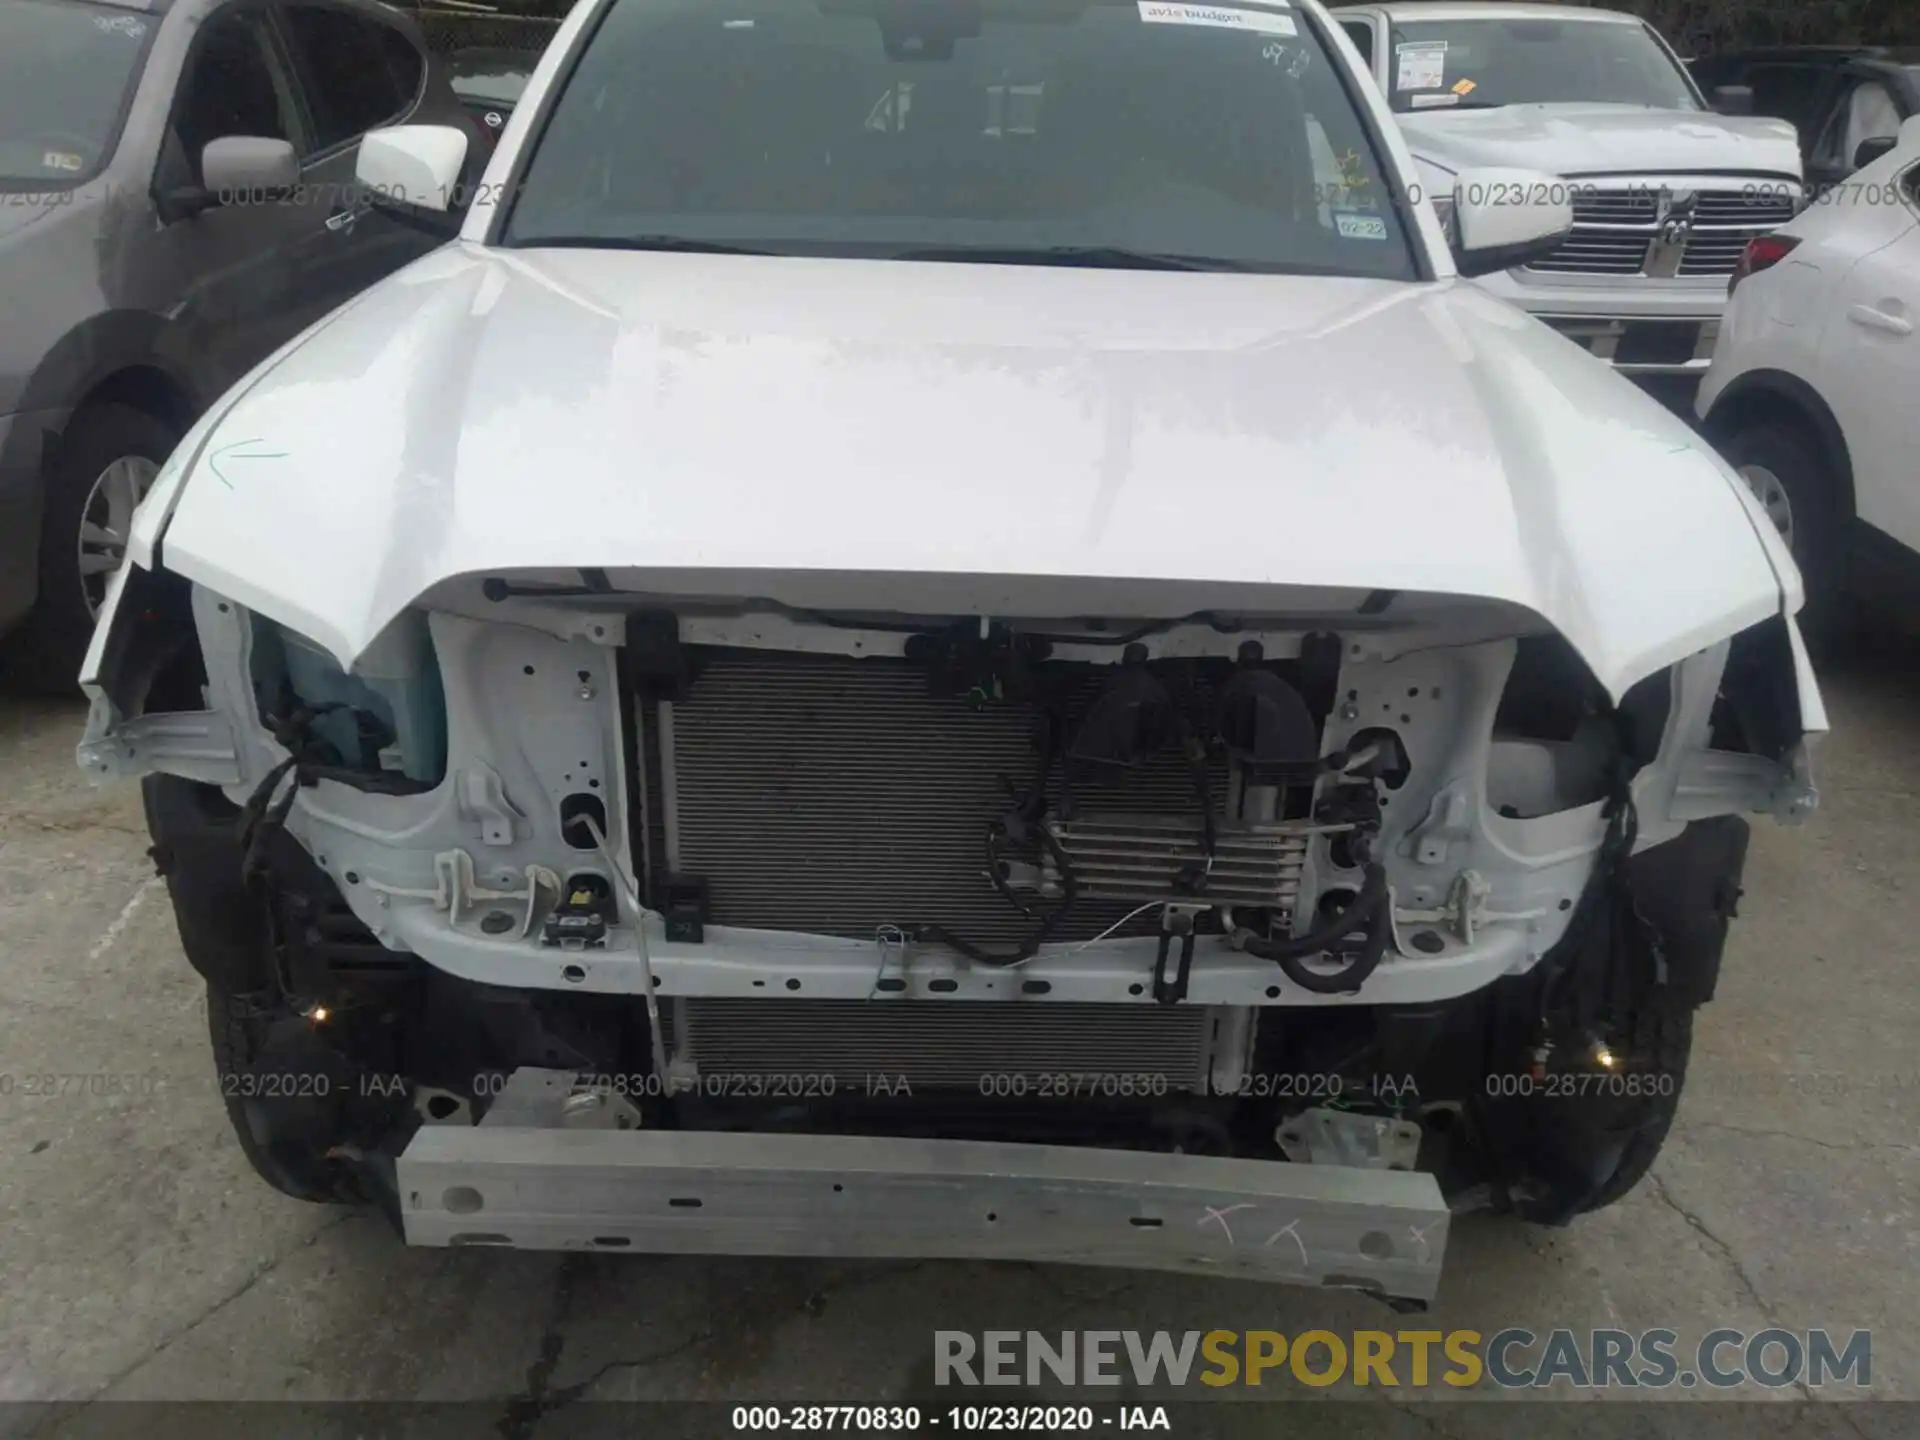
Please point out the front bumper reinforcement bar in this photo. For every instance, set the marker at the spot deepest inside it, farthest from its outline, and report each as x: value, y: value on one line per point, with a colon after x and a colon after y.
x: 732, y: 1193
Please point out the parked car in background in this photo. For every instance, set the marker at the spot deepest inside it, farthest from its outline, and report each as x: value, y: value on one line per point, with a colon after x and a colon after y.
x: 1666, y: 193
x: 1814, y: 394
x: 821, y: 619
x: 177, y: 199
x: 1847, y: 102
x: 489, y: 81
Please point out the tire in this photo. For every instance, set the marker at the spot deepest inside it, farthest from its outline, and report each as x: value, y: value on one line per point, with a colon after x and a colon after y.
x: 290, y: 1164
x: 1583, y: 1150
x: 1811, y: 489
x: 53, y: 643
x: 1577, y: 1130
x: 1645, y: 1126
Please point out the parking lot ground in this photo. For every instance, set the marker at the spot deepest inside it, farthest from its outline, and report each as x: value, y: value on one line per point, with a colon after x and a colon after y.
x: 140, y: 1259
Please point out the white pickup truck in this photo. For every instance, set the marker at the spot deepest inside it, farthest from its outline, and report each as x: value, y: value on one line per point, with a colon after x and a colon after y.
x: 828, y: 679
x: 1666, y: 194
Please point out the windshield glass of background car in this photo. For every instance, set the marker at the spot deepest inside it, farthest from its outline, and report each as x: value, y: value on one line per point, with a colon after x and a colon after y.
x: 1221, y: 136
x: 64, y: 73
x: 1470, y: 64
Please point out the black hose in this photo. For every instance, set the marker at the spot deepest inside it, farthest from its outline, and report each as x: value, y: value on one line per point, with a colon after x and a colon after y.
x: 1070, y: 891
x: 1370, y: 908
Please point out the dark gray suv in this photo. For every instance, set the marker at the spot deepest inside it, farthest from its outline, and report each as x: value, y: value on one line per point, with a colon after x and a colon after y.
x: 176, y: 200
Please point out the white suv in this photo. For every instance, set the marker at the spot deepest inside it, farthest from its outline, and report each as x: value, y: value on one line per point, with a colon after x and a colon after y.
x: 1813, y: 387
x: 1666, y: 194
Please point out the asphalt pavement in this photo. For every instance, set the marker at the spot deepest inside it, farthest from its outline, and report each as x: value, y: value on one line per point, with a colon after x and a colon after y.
x: 140, y: 1259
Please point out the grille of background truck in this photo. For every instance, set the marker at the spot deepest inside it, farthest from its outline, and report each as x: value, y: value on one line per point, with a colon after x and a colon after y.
x: 1618, y: 231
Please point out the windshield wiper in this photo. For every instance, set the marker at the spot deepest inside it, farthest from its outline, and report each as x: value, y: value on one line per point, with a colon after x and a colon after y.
x: 1096, y: 257
x: 680, y: 243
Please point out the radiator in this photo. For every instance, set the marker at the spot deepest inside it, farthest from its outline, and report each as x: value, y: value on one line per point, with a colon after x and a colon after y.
x: 836, y: 796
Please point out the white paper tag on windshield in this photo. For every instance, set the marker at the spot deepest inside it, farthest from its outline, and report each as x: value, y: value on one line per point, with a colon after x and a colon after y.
x: 1263, y: 22
x: 1433, y: 102
x: 1360, y: 227
x: 1422, y: 66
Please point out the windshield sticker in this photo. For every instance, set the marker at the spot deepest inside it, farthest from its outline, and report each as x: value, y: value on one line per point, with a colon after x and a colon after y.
x: 62, y: 160
x: 1293, y: 58
x: 1433, y: 102
x: 1264, y: 22
x: 1360, y: 227
x: 1465, y: 87
x: 1422, y: 66
x: 121, y: 24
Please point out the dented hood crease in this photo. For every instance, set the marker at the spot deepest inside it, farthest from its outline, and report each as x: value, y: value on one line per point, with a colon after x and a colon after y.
x: 743, y: 419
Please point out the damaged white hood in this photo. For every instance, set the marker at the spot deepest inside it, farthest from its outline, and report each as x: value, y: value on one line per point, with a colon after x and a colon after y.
x: 821, y: 431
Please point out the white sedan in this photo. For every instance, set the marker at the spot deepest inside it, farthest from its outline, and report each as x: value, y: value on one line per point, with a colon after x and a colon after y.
x: 1812, y: 391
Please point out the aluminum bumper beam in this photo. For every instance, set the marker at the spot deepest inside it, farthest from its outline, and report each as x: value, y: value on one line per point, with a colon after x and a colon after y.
x: 556, y: 1188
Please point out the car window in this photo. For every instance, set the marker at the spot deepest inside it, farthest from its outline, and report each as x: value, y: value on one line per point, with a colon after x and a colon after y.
x: 358, y: 73
x: 1479, y: 63
x: 1790, y: 92
x: 891, y: 128
x: 66, y: 71
x: 233, y: 86
x: 1868, y: 113
x: 1361, y: 33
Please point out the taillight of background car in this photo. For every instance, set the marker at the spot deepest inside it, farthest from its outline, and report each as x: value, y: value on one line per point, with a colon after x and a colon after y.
x: 1763, y: 252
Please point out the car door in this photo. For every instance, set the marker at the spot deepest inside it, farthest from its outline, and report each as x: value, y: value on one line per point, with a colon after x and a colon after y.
x: 227, y: 262
x: 1863, y: 108
x: 356, y: 72
x: 1869, y: 366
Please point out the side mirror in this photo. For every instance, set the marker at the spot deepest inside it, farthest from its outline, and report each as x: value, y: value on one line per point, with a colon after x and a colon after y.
x: 1733, y: 99
x: 250, y: 166
x: 235, y: 169
x: 1872, y: 148
x: 412, y: 168
x: 1507, y: 217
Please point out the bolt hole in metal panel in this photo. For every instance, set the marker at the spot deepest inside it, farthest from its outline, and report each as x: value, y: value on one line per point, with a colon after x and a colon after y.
x: 833, y: 1195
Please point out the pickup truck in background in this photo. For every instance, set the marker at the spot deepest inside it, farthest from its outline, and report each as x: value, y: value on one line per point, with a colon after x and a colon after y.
x: 1666, y: 193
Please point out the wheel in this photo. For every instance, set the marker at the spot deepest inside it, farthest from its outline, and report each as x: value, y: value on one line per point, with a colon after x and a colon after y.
x: 1613, y: 1141
x: 106, y: 465
x: 283, y: 1135
x: 1798, y: 488
x: 1587, y: 1056
x: 293, y: 1097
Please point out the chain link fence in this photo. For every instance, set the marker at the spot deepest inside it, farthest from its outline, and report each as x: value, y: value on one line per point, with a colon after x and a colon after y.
x: 523, y: 30
x: 1700, y: 26
x: 1696, y: 27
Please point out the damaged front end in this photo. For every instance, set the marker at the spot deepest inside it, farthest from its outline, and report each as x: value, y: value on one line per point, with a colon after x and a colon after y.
x: 619, y: 917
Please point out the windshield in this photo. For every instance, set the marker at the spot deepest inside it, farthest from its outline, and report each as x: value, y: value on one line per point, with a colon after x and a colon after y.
x: 1473, y: 64
x: 65, y: 69
x: 1137, y: 132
